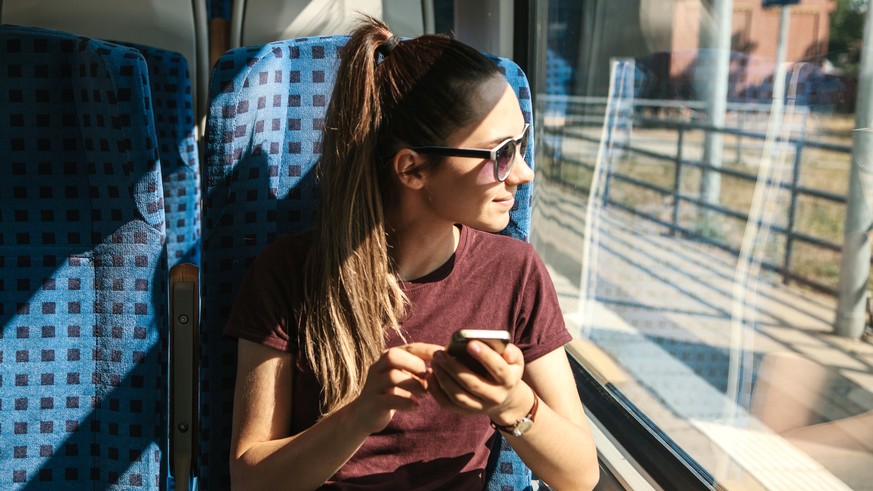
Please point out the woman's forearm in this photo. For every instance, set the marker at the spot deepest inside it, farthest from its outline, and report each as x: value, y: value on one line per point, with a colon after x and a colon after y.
x: 261, y: 458
x: 558, y: 451
x: 302, y: 461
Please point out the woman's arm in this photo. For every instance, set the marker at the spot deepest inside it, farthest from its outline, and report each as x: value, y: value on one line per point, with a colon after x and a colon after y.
x: 560, y: 442
x: 264, y: 454
x: 559, y: 448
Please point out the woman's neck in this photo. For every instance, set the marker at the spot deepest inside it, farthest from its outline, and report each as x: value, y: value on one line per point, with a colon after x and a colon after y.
x: 418, y: 249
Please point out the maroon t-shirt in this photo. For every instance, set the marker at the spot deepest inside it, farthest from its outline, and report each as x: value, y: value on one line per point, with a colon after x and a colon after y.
x: 491, y: 282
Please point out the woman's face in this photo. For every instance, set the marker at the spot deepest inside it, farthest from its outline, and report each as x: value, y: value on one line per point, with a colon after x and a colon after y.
x: 464, y: 189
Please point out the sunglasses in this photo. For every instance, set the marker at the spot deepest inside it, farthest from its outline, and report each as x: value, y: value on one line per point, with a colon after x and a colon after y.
x: 503, y: 155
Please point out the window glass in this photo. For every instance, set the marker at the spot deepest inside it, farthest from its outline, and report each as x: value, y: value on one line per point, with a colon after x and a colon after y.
x: 703, y: 199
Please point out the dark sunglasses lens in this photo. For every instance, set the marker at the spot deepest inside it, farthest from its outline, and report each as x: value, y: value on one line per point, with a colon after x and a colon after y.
x: 505, y: 156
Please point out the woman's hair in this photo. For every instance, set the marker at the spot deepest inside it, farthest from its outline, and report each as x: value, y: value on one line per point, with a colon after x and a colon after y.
x: 419, y: 93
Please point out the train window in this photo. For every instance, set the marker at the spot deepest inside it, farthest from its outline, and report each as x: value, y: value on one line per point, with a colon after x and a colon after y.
x: 703, y: 199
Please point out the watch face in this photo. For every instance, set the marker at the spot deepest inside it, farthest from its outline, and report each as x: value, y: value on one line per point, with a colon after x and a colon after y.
x: 522, y: 427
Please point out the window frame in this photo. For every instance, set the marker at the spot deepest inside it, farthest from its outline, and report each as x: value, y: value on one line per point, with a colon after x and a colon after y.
x: 665, y: 462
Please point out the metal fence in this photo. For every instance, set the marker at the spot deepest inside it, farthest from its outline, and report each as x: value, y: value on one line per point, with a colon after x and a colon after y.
x: 588, y: 112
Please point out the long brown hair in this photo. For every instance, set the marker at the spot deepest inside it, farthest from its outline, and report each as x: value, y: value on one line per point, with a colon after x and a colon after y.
x: 418, y: 94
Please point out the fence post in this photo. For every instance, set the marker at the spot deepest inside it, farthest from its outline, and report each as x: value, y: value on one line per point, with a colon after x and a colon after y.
x: 855, y: 265
x: 715, y: 36
x: 677, y: 179
x: 741, y: 120
x: 792, y: 209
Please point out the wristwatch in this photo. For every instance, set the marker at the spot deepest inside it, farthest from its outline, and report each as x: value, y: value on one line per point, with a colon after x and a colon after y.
x: 522, y: 425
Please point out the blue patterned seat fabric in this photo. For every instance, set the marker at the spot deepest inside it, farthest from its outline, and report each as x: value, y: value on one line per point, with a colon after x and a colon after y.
x: 218, y: 9
x: 170, y: 84
x: 83, y: 261
x: 267, y: 107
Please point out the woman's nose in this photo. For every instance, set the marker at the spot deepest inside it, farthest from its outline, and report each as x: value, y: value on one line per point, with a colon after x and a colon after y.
x: 521, y: 172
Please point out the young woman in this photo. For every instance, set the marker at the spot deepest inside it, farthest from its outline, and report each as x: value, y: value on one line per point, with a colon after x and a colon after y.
x: 342, y: 379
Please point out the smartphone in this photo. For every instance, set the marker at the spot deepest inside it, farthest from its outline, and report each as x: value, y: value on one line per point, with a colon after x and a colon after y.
x: 457, y: 347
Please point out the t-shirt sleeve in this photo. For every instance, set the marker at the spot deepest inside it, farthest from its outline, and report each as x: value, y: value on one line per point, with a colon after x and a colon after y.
x: 264, y: 307
x: 540, y: 327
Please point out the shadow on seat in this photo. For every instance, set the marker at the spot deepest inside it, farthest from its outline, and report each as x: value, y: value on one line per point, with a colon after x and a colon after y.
x: 170, y: 84
x: 83, y: 263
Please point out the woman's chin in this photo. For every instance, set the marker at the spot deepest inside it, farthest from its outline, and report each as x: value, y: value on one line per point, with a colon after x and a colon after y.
x: 492, y: 226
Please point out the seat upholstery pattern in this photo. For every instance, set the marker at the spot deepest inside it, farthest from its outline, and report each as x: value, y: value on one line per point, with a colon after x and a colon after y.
x: 218, y: 9
x: 506, y: 471
x: 263, y: 134
x: 519, y: 217
x: 170, y: 84
x: 82, y: 266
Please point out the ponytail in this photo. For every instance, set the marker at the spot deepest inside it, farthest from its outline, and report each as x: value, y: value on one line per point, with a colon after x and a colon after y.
x: 387, y: 93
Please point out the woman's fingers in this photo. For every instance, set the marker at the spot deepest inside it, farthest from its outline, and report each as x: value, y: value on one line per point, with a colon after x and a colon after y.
x: 403, y: 383
x: 449, y: 394
x: 424, y: 351
x: 403, y: 367
x: 501, y: 372
x: 461, y: 386
x: 404, y: 373
x: 401, y: 359
x: 462, y: 390
x: 395, y: 382
x: 503, y: 368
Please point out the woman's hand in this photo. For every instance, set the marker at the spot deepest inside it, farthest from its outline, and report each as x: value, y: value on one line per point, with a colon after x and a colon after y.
x: 395, y: 382
x: 457, y: 388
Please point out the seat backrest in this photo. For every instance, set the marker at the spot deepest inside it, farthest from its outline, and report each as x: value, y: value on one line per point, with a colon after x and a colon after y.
x: 267, y: 107
x: 82, y: 266
x: 167, y: 24
x: 170, y: 84
x: 167, y: 35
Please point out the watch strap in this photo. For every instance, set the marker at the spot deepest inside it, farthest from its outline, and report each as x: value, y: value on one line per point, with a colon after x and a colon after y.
x: 513, y: 429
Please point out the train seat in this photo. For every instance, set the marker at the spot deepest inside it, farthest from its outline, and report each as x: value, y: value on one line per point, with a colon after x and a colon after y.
x: 170, y: 84
x: 83, y: 261
x: 174, y: 64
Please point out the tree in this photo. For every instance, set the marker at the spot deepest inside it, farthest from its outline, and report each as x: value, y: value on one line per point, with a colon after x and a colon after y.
x: 846, y: 33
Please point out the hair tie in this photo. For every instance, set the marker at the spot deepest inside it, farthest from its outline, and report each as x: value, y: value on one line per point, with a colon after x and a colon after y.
x: 388, y: 46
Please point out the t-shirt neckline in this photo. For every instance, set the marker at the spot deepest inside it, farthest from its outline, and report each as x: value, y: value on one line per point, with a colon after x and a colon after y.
x: 445, y: 270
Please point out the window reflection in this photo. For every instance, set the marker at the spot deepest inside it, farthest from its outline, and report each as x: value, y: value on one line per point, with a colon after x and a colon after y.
x: 703, y: 201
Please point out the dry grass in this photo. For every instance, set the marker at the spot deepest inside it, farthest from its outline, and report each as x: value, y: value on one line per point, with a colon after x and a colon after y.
x: 824, y: 170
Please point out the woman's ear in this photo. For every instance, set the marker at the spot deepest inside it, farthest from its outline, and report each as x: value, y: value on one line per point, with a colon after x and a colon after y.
x: 407, y: 166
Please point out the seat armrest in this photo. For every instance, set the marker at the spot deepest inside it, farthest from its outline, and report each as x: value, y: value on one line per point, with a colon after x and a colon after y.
x: 184, y: 373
